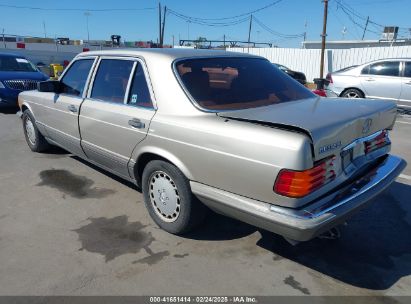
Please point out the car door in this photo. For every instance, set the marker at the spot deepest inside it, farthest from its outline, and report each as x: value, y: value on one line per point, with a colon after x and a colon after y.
x: 405, y: 99
x: 61, y: 118
x: 117, y: 112
x: 382, y: 80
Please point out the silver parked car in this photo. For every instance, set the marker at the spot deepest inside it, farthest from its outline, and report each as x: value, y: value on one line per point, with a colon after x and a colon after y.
x: 224, y: 130
x: 383, y: 79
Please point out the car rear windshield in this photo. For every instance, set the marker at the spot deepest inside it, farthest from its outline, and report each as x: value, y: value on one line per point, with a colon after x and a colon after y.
x: 15, y: 64
x: 237, y: 83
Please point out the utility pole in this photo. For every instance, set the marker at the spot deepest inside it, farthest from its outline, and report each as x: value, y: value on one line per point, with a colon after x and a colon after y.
x: 365, y: 28
x: 173, y: 40
x: 224, y: 40
x: 249, y: 33
x: 159, y: 23
x: 163, y: 26
x: 323, y: 36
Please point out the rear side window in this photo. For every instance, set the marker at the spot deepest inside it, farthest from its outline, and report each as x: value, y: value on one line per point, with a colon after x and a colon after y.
x: 237, y: 83
x: 407, y: 69
x: 110, y: 83
x: 388, y: 68
x: 74, y: 80
x: 139, y: 93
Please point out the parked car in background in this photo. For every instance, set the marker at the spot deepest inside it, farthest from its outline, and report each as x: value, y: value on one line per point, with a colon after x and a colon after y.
x: 199, y: 128
x: 383, y: 79
x: 299, y: 76
x: 17, y: 74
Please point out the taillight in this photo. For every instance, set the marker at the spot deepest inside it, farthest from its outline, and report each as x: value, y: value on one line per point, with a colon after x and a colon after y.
x: 377, y: 142
x: 321, y: 93
x: 329, y: 78
x: 293, y: 183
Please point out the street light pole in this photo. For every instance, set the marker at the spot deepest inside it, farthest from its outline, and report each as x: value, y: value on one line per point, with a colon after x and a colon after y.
x: 87, y: 14
x: 188, y: 29
x: 44, y: 29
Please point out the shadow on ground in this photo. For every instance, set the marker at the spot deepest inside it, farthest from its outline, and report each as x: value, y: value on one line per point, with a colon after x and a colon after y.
x: 374, y: 251
x: 8, y: 110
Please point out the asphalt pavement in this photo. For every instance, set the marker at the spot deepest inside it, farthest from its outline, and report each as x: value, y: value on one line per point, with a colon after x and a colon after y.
x: 69, y: 228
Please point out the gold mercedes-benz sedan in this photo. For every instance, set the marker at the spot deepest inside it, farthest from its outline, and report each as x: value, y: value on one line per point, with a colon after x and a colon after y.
x: 201, y: 129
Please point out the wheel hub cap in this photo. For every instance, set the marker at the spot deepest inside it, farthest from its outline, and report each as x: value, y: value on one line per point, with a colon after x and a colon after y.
x: 164, y: 196
x: 352, y: 95
x: 30, y: 131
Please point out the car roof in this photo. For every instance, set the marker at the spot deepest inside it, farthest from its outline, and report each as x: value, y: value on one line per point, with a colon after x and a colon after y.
x: 11, y: 55
x: 169, y: 53
x: 388, y: 59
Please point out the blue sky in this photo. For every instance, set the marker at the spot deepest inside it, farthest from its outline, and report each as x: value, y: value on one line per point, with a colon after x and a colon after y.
x: 288, y: 17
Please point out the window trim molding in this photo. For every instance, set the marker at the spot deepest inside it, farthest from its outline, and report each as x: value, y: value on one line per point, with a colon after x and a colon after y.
x: 87, y: 83
x: 137, y: 61
x: 129, y: 89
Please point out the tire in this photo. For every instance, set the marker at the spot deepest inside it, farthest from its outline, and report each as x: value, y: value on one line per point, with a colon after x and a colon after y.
x: 169, y: 200
x: 35, y: 140
x: 352, y: 93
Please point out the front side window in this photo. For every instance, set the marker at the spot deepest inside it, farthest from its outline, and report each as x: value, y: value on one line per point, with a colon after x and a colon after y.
x: 110, y: 83
x: 74, y: 80
x: 139, y: 93
x: 237, y: 83
x: 16, y: 64
x: 388, y: 68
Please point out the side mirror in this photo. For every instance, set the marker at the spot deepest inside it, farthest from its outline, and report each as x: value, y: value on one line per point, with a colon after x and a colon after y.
x: 53, y: 86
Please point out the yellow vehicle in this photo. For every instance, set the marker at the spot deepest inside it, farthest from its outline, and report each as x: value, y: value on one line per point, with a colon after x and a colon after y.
x: 55, y: 70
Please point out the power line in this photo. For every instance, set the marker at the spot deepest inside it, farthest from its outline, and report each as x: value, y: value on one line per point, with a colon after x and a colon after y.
x: 227, y: 18
x: 351, y: 14
x: 76, y: 9
x: 350, y: 11
x: 208, y: 23
x: 275, y: 33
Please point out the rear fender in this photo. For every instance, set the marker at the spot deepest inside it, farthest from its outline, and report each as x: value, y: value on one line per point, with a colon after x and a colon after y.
x: 163, y: 154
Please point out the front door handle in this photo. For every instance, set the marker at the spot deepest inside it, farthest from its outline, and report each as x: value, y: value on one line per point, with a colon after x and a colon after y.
x: 409, y: 83
x: 136, y: 123
x: 72, y: 108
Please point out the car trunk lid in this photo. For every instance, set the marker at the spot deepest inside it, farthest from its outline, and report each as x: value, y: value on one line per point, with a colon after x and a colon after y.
x: 331, y: 123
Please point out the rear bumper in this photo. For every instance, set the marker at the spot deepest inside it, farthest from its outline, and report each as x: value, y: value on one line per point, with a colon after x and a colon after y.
x: 330, y: 93
x: 311, y: 220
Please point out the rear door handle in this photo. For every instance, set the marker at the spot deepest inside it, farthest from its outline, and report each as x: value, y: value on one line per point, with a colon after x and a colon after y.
x: 72, y: 108
x: 409, y: 83
x: 136, y: 123
x: 370, y: 79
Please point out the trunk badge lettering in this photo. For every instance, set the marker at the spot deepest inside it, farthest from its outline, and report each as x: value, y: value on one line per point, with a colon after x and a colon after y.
x: 366, y: 126
x: 330, y: 147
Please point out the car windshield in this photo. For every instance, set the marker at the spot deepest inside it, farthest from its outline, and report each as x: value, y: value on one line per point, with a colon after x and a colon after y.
x: 15, y: 64
x: 237, y: 83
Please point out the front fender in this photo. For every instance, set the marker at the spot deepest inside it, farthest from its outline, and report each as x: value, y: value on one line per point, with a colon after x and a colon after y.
x: 26, y: 105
